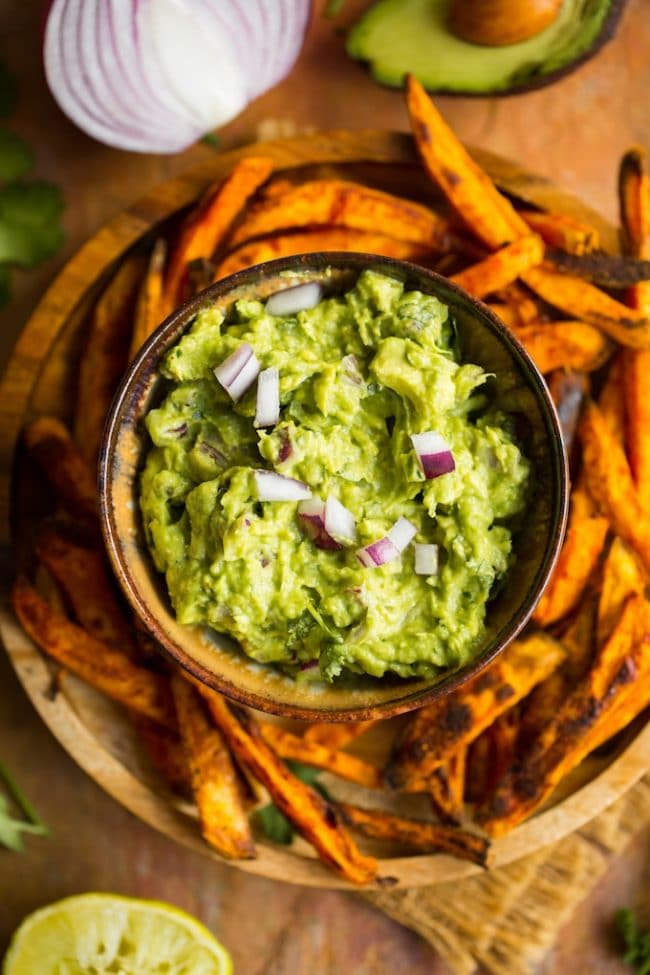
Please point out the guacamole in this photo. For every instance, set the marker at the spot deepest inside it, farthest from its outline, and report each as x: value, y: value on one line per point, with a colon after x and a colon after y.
x: 372, y: 394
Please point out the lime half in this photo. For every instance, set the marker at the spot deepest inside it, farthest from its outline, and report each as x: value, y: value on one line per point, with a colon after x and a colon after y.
x: 102, y: 934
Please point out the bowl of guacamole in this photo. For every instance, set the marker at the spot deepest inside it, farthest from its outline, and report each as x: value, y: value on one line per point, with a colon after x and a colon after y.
x: 333, y: 486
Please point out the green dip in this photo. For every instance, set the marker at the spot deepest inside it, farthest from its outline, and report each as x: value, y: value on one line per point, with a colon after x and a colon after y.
x: 248, y: 568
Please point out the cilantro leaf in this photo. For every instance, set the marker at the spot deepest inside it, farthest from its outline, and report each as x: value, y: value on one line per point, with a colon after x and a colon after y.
x: 29, y: 226
x: 8, y: 92
x: 274, y: 824
x: 637, y: 942
x: 211, y: 139
x: 16, y: 157
x: 12, y: 828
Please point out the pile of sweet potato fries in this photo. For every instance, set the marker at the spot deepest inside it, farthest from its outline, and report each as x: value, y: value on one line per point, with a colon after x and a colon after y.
x: 492, y: 751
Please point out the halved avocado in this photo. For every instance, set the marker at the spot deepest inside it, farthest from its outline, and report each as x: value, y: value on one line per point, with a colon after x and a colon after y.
x: 400, y: 37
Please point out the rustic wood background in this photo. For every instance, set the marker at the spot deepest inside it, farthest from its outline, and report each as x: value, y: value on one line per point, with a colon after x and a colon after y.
x: 574, y: 133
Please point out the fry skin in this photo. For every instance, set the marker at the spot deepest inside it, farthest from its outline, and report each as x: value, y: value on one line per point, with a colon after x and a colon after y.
x: 105, y: 355
x: 208, y: 225
x: 312, y: 241
x: 165, y: 752
x: 215, y: 782
x: 436, y: 731
x: 141, y: 690
x: 561, y: 231
x: 80, y: 571
x: 416, y: 833
x: 623, y: 576
x: 583, y: 544
x: 298, y: 749
x: 314, y: 817
x: 341, y: 203
x: 336, y: 735
x: 49, y: 442
x: 501, y: 268
x: 447, y: 788
x: 611, y: 400
x: 469, y: 190
x: 149, y: 309
x: 610, y: 482
x: 601, y: 701
x: 572, y: 345
x: 581, y: 300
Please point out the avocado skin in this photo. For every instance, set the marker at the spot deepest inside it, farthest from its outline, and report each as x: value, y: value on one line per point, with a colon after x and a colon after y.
x: 605, y: 35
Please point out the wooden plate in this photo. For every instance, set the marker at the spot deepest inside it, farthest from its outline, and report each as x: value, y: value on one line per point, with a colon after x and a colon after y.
x: 40, y: 379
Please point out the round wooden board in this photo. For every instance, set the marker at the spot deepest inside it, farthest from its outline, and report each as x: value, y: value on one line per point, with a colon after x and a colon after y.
x: 40, y: 378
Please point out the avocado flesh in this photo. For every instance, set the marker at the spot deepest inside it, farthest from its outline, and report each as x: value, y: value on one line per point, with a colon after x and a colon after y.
x: 399, y: 37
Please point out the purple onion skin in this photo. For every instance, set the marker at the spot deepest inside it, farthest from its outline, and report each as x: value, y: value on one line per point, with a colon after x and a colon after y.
x: 308, y: 665
x: 314, y: 528
x: 179, y: 431
x: 286, y: 448
x: 435, y: 465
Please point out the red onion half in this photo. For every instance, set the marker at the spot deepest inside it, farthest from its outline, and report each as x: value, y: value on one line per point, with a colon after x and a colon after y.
x: 434, y: 454
x: 155, y: 75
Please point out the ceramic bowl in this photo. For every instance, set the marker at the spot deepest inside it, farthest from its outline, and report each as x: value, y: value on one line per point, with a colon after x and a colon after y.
x: 217, y: 660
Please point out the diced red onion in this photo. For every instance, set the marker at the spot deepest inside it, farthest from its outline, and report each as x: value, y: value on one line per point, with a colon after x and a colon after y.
x: 390, y: 546
x: 426, y: 559
x: 434, y: 454
x: 275, y: 487
x: 339, y: 522
x: 267, y: 410
x: 238, y: 372
x: 352, y: 370
x: 292, y: 300
x: 312, y: 517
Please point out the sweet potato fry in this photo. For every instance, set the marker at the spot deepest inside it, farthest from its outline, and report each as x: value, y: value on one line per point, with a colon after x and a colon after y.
x: 561, y: 231
x: 314, y: 817
x: 623, y: 576
x: 579, y: 723
x: 583, y: 544
x: 583, y: 301
x: 420, y: 835
x: 569, y: 390
x: 50, y: 443
x: 574, y: 345
x: 106, y: 355
x: 501, y: 268
x: 101, y: 666
x: 80, y: 571
x: 207, y: 226
x: 610, y: 482
x: 477, y: 773
x: 336, y: 735
x: 287, y: 745
x: 635, y: 371
x: 149, y: 311
x: 634, y: 206
x: 436, y: 731
x: 341, y: 203
x: 469, y: 190
x: 165, y: 751
x: 507, y: 313
x: 528, y: 309
x: 215, y: 781
x: 611, y: 400
x: 323, y: 239
x: 447, y: 788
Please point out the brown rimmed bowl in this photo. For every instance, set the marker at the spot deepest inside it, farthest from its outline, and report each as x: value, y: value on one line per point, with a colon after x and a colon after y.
x: 214, y: 658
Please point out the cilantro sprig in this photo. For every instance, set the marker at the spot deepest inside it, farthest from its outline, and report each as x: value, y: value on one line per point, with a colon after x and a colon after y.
x: 274, y: 824
x: 30, y: 210
x: 11, y: 826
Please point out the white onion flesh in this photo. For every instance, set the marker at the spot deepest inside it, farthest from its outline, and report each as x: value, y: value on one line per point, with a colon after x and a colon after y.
x: 155, y: 75
x: 426, y: 559
x: 292, y: 300
x: 267, y: 408
x: 339, y: 521
x: 238, y: 372
x: 275, y: 487
x: 434, y: 454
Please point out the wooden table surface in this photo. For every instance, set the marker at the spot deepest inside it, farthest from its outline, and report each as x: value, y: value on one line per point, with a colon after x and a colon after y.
x: 573, y: 132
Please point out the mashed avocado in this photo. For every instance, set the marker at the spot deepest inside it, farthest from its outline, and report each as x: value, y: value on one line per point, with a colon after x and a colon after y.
x: 359, y: 374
